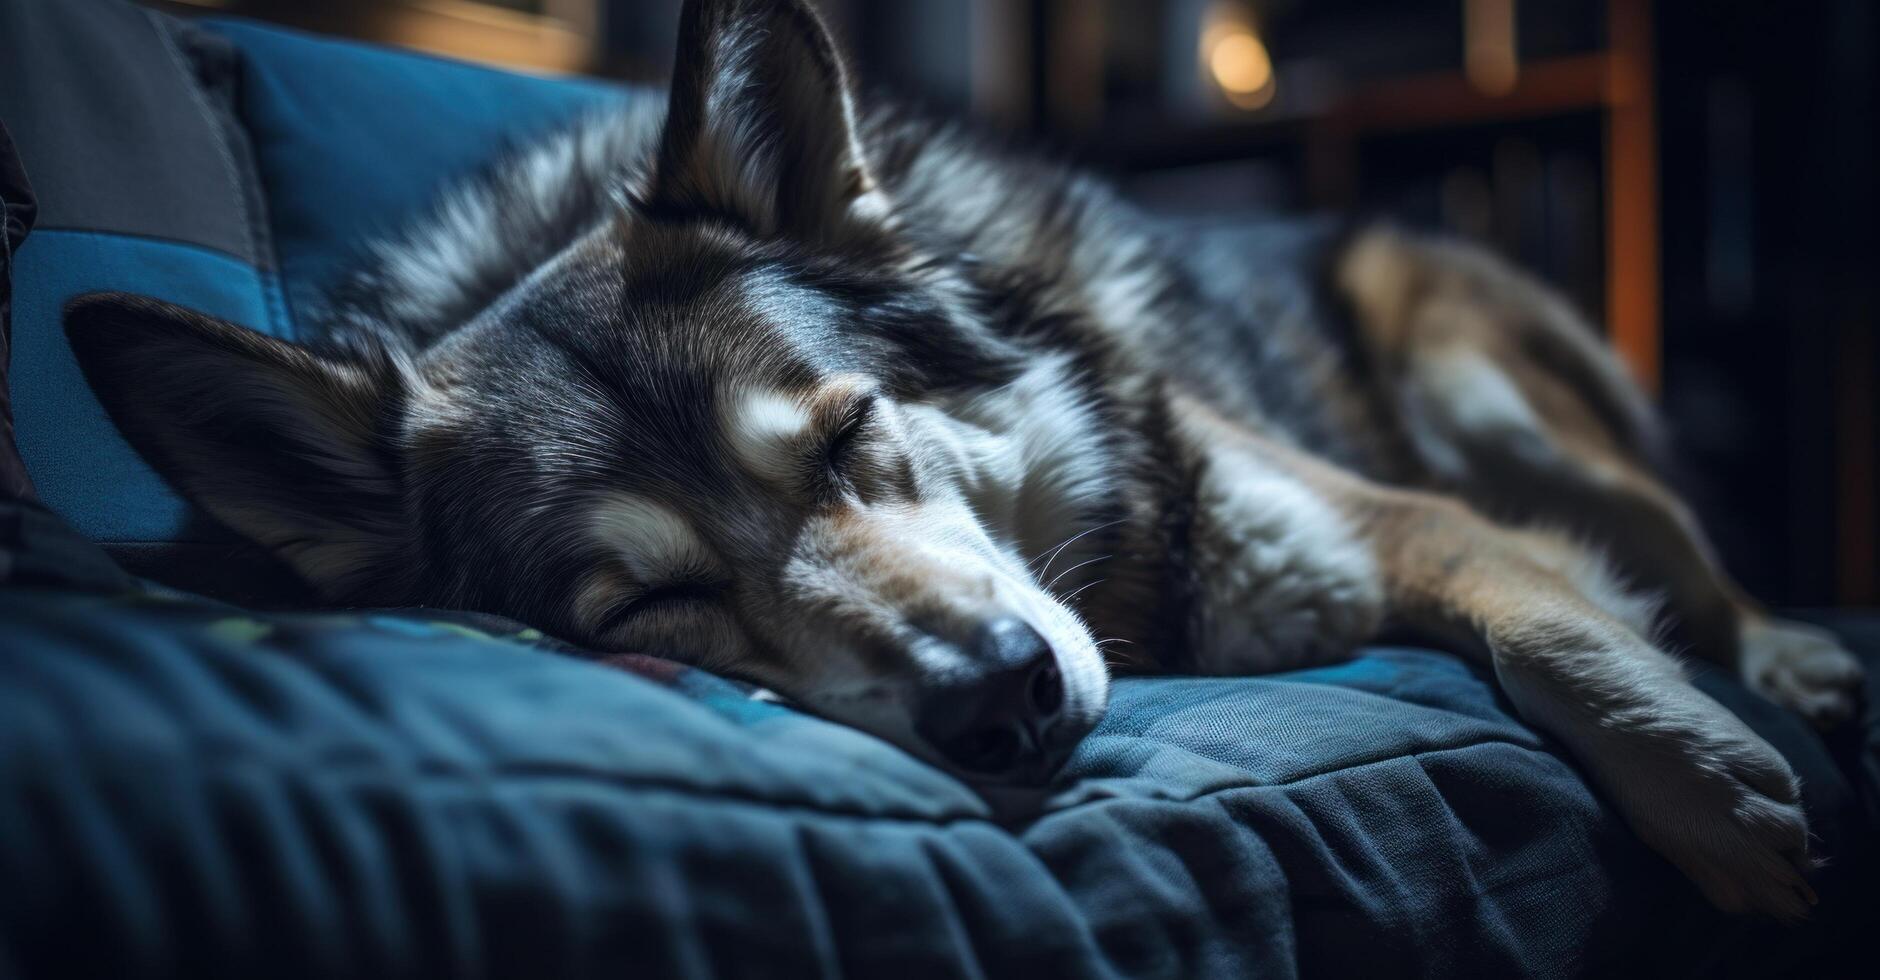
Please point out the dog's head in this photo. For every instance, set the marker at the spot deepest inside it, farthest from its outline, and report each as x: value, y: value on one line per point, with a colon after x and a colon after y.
x: 743, y: 422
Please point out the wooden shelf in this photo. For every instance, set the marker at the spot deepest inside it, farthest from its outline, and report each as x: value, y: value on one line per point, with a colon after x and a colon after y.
x: 1544, y: 88
x: 1583, y: 83
x: 452, y: 28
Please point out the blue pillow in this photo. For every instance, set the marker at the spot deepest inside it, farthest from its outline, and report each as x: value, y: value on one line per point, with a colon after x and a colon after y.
x: 353, y: 141
x: 307, y: 147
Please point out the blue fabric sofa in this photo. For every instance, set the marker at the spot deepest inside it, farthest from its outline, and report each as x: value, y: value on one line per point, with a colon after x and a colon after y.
x: 193, y: 787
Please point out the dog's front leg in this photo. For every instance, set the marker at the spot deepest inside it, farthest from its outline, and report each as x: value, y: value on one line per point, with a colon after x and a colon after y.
x: 1567, y: 647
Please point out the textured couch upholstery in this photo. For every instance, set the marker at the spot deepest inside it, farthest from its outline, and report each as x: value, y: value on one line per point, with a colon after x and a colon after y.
x: 191, y: 788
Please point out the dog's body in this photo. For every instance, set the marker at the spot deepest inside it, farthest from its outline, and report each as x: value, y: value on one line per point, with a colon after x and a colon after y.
x: 908, y: 430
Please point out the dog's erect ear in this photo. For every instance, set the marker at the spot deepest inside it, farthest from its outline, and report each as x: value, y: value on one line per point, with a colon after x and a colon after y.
x: 277, y: 442
x: 761, y: 128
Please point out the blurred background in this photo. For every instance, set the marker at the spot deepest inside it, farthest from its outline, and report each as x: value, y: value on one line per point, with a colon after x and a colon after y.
x: 1696, y: 174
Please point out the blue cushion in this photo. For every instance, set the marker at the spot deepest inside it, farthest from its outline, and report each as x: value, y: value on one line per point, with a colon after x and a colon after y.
x: 353, y: 141
x: 186, y: 785
x: 348, y: 142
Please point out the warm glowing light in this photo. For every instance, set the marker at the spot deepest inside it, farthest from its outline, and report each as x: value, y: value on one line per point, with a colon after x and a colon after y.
x: 1240, y: 64
x: 1237, y: 59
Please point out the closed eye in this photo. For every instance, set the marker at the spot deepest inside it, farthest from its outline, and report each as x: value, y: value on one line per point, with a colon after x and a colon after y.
x: 842, y: 441
x: 660, y: 597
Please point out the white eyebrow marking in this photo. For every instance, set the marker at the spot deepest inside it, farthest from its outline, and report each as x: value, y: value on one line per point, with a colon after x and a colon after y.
x: 760, y: 426
x: 652, y: 540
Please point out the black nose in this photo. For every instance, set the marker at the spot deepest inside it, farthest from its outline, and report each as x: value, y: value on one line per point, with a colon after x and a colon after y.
x: 996, y: 721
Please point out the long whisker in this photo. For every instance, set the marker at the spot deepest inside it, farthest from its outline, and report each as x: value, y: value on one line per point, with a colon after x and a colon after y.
x: 1051, y: 556
x: 1081, y: 590
x: 1060, y: 576
x: 1067, y: 542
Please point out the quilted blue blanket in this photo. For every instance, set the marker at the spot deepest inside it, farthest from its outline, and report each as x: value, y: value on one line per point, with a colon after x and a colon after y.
x: 189, y: 789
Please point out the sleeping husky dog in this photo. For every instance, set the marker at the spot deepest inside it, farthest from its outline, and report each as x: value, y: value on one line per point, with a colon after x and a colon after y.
x: 927, y: 437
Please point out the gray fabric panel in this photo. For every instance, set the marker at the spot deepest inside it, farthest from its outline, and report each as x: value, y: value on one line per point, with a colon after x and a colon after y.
x: 17, y: 213
x: 113, y: 133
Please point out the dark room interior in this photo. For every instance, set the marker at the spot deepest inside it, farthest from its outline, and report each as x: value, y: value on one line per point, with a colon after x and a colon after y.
x: 905, y: 488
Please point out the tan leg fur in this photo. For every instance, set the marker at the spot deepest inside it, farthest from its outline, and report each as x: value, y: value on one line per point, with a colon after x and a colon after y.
x: 1565, y: 643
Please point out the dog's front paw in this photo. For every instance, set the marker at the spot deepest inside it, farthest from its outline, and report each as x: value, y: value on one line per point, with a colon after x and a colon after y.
x: 1802, y: 668
x: 1710, y: 795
